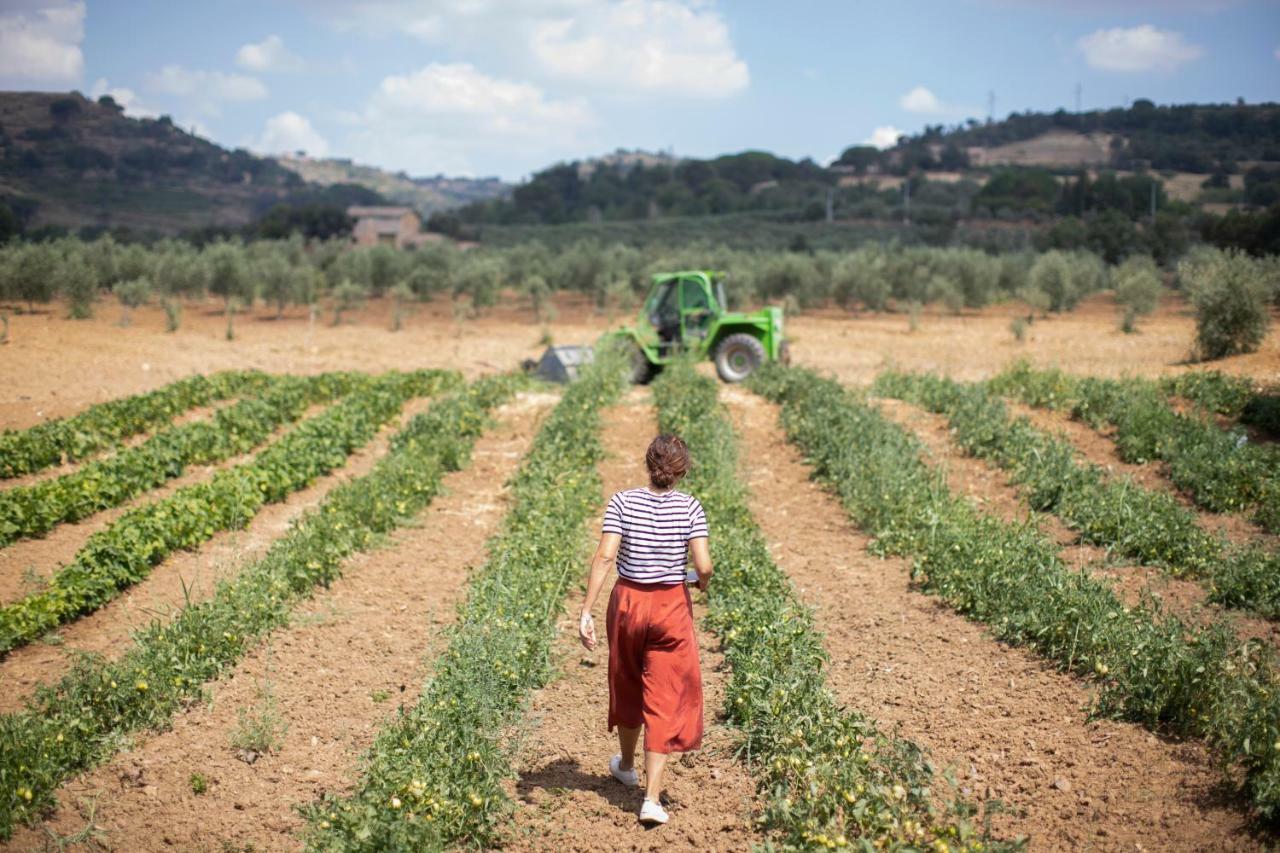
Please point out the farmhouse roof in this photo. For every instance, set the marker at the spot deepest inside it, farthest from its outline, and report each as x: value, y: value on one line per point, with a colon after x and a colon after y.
x: 384, y: 212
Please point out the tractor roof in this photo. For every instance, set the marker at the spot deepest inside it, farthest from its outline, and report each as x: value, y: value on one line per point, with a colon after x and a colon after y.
x: 668, y: 276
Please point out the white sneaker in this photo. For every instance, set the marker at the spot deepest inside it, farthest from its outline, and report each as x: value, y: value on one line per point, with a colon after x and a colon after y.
x: 652, y: 813
x: 630, y: 778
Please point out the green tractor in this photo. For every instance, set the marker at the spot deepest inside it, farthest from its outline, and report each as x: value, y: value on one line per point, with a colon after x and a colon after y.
x: 685, y: 312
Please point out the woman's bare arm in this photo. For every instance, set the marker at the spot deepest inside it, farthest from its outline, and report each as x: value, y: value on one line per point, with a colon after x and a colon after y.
x: 700, y: 550
x: 602, y: 563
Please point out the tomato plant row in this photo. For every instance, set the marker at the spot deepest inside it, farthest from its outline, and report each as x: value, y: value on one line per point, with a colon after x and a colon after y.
x: 1139, y: 523
x: 85, y: 716
x: 68, y: 439
x: 828, y: 776
x: 1220, y: 470
x: 434, y: 776
x: 103, y: 483
x: 125, y: 552
x: 1151, y: 668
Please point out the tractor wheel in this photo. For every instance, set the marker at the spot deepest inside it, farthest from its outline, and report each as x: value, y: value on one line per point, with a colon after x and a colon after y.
x: 642, y: 370
x: 737, y: 357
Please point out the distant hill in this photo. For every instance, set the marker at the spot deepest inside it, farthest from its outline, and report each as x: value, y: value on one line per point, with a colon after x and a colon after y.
x: 70, y: 162
x: 1195, y: 138
x: 426, y: 195
x: 1214, y: 157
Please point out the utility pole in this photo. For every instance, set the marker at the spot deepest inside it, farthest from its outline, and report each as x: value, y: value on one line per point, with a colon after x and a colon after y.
x: 1153, y: 200
x: 831, y: 198
x: 1079, y: 90
x: 991, y: 106
x: 906, y: 200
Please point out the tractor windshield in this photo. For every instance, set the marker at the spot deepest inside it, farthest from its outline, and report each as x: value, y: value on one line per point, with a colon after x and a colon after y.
x: 663, y: 309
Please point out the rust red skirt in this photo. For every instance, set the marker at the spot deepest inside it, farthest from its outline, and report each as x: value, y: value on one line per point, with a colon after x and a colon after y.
x: 654, y: 676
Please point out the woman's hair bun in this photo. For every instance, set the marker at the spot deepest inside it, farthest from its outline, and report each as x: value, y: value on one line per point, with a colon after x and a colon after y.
x: 667, y: 460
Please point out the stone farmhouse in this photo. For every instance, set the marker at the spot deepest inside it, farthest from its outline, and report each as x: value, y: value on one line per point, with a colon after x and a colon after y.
x: 391, y: 226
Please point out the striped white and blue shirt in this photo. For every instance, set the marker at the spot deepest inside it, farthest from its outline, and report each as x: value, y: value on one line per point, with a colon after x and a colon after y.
x: 655, y: 531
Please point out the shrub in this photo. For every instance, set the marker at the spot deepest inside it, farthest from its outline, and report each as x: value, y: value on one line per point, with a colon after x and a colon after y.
x: 1137, y: 283
x: 132, y: 294
x: 347, y: 296
x: 1229, y: 296
x: 78, y: 284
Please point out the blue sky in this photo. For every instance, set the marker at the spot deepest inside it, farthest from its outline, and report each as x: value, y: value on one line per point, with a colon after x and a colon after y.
x: 485, y: 87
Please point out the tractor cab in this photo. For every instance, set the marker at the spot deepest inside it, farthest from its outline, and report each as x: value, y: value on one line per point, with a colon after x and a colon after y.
x: 680, y: 308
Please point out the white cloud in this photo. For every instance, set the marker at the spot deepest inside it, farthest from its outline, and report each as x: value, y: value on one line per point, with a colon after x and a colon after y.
x: 669, y: 47
x: 884, y: 137
x: 1140, y: 48
x: 288, y: 132
x: 206, y: 89
x: 441, y: 116
x: 921, y: 100
x: 40, y: 44
x: 270, y: 54
x: 646, y: 45
x: 126, y: 98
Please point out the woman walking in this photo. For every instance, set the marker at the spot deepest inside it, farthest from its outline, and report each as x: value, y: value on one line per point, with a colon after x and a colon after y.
x: 654, y: 677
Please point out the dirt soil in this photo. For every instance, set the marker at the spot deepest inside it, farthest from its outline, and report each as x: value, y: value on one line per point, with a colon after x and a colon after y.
x: 568, y: 799
x: 184, y: 575
x: 54, y: 367
x: 1012, y: 728
x: 352, y: 655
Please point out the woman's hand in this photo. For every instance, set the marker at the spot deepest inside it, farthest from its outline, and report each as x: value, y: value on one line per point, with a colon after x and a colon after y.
x: 587, y: 631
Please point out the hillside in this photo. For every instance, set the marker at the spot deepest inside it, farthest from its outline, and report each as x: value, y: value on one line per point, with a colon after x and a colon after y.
x: 1196, y: 138
x: 1035, y: 168
x: 426, y: 195
x: 67, y: 161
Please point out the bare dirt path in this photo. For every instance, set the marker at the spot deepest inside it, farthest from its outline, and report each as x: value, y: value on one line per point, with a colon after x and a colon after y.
x: 989, y: 487
x: 1013, y: 729
x: 568, y: 800
x: 27, y: 564
x: 1100, y: 449
x: 353, y: 654
x: 186, y: 574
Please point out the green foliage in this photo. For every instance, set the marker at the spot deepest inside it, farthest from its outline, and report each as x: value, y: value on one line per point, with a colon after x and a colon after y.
x: 1230, y: 297
x: 31, y: 274
x: 199, y: 783
x: 1151, y: 668
x: 132, y: 293
x: 35, y: 509
x: 1067, y: 277
x: 1137, y: 284
x: 1019, y: 328
x: 105, y: 424
x: 1211, y: 390
x: 82, y: 719
x: 348, y: 296
x: 228, y: 274
x: 435, y: 775
x: 78, y: 285
x: 125, y: 552
x: 826, y: 775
